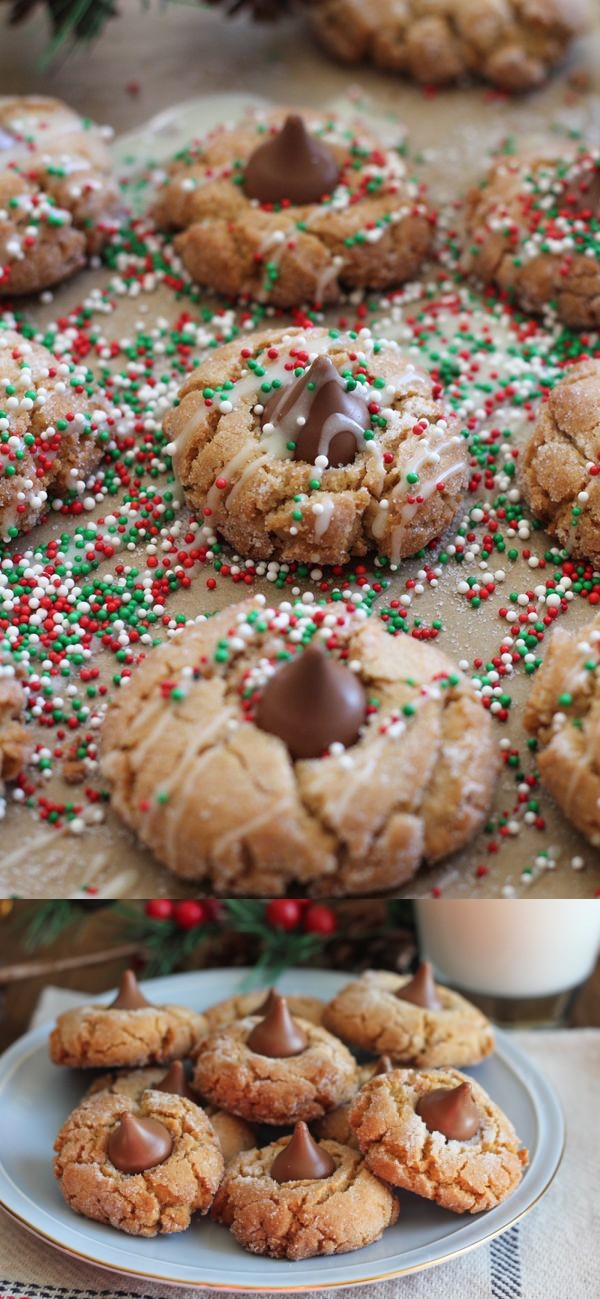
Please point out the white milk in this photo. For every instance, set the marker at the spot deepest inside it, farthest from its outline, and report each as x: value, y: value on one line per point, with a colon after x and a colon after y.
x: 511, y: 948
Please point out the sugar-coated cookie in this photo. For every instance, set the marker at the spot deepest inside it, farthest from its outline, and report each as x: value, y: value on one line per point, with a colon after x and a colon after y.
x: 130, y: 1032
x: 560, y: 468
x: 242, y: 707
x: 514, y: 44
x: 532, y: 230
x: 438, y: 1133
x: 275, y: 1069
x: 322, y: 209
x: 316, y: 445
x: 563, y: 713
x: 342, y: 1208
x: 435, y: 1027
x: 53, y: 430
x: 58, y: 200
x: 142, y: 1168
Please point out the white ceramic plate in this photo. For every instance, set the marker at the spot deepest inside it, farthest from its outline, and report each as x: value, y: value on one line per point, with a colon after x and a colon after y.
x: 36, y: 1097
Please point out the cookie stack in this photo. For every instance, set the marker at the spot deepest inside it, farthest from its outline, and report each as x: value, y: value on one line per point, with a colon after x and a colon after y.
x: 148, y: 1148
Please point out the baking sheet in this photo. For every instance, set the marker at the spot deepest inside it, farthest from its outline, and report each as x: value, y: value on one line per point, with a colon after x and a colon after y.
x: 449, y: 136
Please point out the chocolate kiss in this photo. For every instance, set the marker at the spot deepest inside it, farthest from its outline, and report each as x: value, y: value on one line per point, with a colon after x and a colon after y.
x: 277, y: 1035
x: 421, y: 990
x: 451, y: 1111
x: 138, y: 1144
x: 302, y: 1160
x: 384, y: 1065
x: 129, y: 996
x: 334, y: 419
x: 175, y: 1082
x: 311, y: 702
x: 267, y: 1004
x: 291, y: 165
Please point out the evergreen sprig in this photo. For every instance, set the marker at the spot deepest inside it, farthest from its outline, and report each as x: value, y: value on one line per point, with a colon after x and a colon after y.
x: 74, y: 21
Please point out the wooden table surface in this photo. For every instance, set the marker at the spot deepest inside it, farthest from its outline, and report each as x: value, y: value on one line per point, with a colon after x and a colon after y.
x: 104, y: 928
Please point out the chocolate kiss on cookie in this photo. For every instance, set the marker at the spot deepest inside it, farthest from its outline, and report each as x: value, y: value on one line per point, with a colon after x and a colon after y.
x: 138, y: 1144
x: 175, y: 1082
x: 291, y: 165
x: 319, y: 415
x: 421, y: 989
x: 129, y: 996
x: 302, y: 1160
x: 451, y: 1111
x: 384, y: 1065
x: 277, y: 1035
x: 312, y: 702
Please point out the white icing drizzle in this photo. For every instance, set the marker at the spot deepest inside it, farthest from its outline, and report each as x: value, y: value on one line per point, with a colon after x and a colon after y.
x: 238, y: 833
x: 322, y: 511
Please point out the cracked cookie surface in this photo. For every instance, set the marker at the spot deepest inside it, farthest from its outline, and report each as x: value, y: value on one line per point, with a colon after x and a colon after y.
x: 161, y: 1199
x: 233, y: 1132
x: 373, y: 231
x: 58, y: 201
x: 414, y: 787
x: 100, y: 1037
x: 532, y: 230
x: 563, y: 712
x: 263, y: 1089
x: 464, y: 1176
x: 369, y: 1015
x: 560, y: 469
x: 53, y: 430
x: 514, y: 44
x: 302, y: 1219
x: 401, y: 490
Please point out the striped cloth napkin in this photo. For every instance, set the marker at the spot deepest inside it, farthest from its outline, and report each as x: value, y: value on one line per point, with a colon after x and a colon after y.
x: 552, y: 1253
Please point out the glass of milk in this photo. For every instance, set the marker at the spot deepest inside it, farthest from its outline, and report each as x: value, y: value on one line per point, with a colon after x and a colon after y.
x: 520, y: 960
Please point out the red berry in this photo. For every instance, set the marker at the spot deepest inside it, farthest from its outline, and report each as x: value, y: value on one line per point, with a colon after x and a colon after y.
x: 283, y: 913
x: 189, y: 914
x: 214, y: 909
x: 159, y: 909
x: 320, y: 919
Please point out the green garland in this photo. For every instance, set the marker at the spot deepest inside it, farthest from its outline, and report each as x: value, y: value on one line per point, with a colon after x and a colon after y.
x: 73, y: 21
x: 169, y: 942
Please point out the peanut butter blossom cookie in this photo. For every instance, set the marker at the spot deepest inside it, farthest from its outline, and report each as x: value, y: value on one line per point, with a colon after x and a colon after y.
x: 413, y: 1021
x: 58, y: 201
x: 563, y: 713
x: 258, y: 1002
x: 533, y: 230
x: 275, y: 1069
x: 234, y: 1133
x: 141, y: 1167
x: 300, y: 743
x: 298, y: 1199
x: 317, y: 446
x: 286, y: 209
x: 438, y: 1133
x: 53, y: 431
x: 561, y: 462
x: 514, y: 43
x: 128, y: 1032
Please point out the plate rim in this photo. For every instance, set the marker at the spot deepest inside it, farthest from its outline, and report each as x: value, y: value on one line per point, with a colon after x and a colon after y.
x: 34, y: 1038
